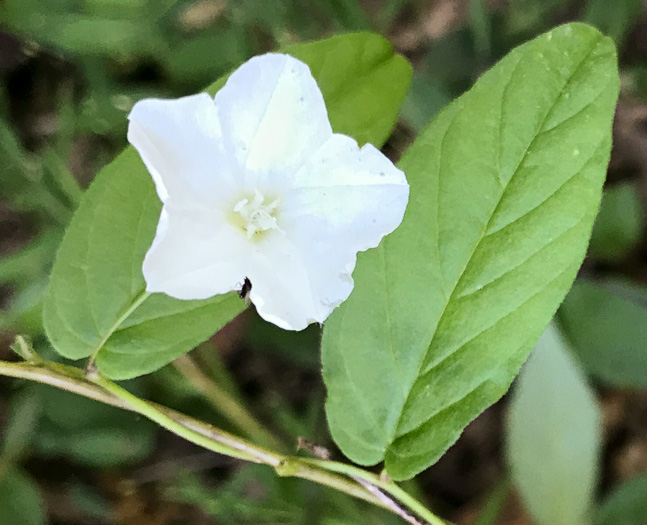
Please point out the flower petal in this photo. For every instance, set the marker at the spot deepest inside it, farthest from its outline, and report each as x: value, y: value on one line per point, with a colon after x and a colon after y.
x: 180, y: 144
x: 195, y: 255
x: 266, y: 135
x: 293, y: 288
x: 344, y: 200
x: 345, y: 196
x: 273, y: 114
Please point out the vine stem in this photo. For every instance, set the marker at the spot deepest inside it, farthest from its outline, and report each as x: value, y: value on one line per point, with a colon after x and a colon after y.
x: 346, y: 478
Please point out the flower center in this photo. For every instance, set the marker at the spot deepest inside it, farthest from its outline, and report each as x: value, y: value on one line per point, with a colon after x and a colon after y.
x: 257, y: 215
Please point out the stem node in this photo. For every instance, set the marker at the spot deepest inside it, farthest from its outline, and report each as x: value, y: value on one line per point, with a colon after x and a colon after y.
x: 286, y: 468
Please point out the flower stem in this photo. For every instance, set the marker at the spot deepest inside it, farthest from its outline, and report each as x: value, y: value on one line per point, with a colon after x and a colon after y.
x: 351, y: 480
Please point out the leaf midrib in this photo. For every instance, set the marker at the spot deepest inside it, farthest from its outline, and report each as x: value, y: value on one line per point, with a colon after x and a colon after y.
x: 489, y: 327
x: 139, y: 299
x: 594, y: 45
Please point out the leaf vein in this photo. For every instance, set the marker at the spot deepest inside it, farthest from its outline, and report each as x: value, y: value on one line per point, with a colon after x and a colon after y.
x: 427, y: 419
x: 484, y: 230
x: 389, y: 325
x: 86, y: 277
x: 370, y: 417
x: 577, y: 172
x: 517, y: 266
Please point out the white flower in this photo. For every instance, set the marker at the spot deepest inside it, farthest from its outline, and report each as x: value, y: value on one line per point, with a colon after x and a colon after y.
x: 255, y: 185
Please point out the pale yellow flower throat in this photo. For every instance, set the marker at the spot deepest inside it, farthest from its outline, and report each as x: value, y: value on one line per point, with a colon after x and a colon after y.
x: 255, y: 215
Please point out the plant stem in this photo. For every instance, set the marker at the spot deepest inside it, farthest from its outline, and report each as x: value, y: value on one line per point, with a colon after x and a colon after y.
x: 164, y: 420
x: 226, y: 405
x: 75, y: 380
x: 351, y: 480
x: 387, y: 486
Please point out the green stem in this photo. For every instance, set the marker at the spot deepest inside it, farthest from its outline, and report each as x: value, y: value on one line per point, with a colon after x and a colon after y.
x: 387, y: 486
x: 144, y: 408
x: 352, y: 480
x: 226, y: 405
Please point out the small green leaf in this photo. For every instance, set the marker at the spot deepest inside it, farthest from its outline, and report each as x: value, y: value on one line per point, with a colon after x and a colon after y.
x: 20, y: 499
x: 554, y: 435
x: 95, y: 303
x: 626, y: 505
x: 607, y: 326
x: 620, y: 223
x: 505, y: 185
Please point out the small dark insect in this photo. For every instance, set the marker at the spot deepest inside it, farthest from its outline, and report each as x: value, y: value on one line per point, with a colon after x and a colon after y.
x: 244, y: 291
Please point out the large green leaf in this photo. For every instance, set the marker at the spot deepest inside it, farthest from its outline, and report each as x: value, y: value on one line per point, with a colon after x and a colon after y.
x: 554, y: 435
x: 607, y: 325
x: 95, y: 303
x: 505, y: 184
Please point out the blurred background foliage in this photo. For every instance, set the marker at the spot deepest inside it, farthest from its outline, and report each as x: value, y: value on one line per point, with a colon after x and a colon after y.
x: 70, y: 70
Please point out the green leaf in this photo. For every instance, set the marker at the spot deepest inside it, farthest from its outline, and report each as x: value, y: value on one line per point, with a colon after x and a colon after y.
x: 607, y: 326
x: 20, y: 499
x: 620, y: 223
x: 505, y: 185
x: 554, y: 435
x: 363, y: 83
x: 626, y: 505
x: 90, y: 432
x: 95, y: 303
